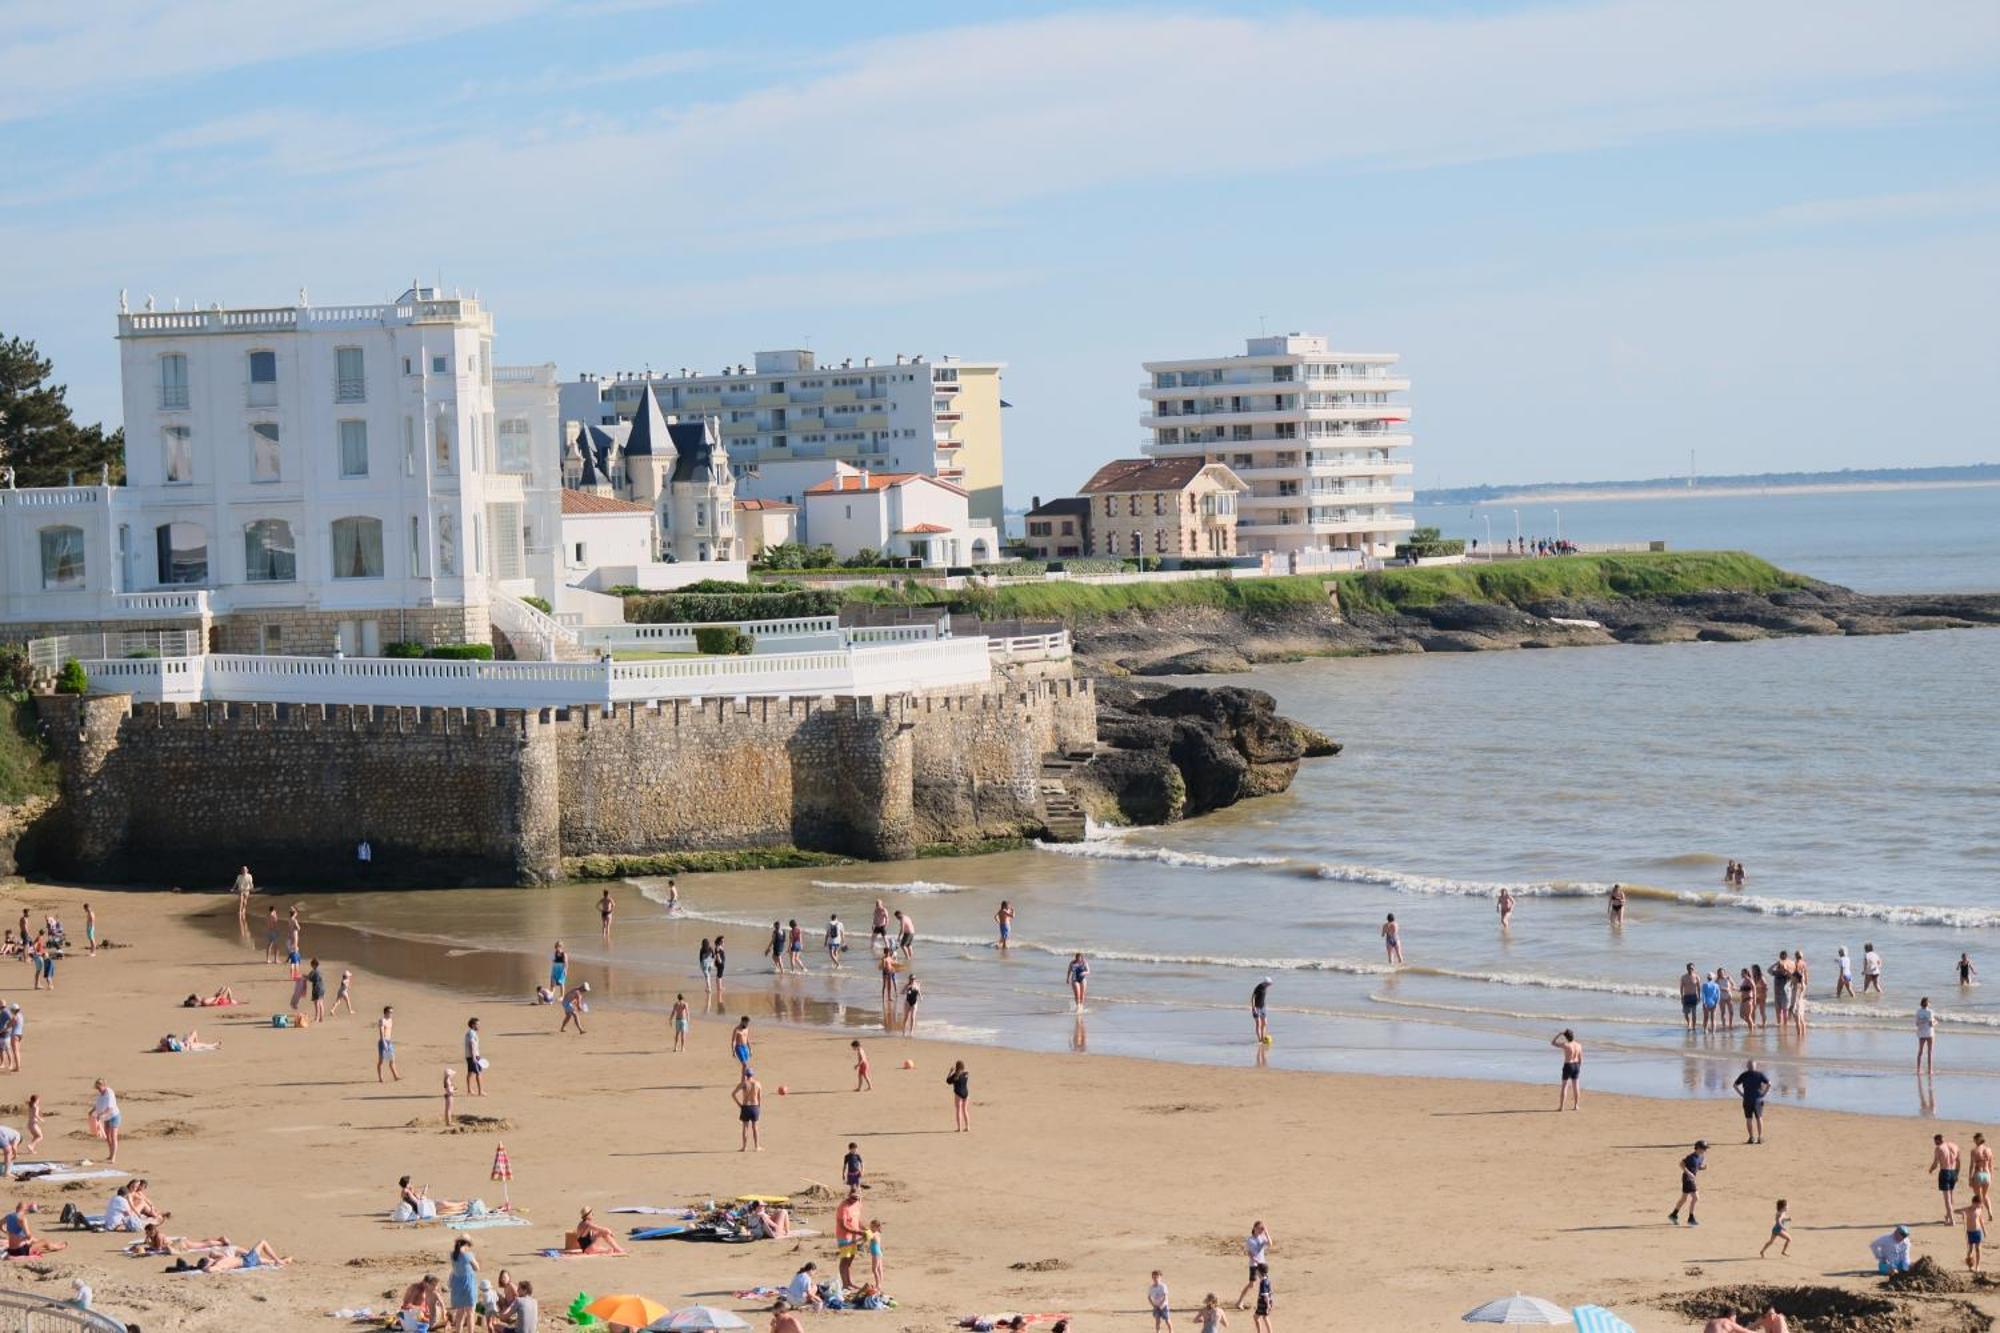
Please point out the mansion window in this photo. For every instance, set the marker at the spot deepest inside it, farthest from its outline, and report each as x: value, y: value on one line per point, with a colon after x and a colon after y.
x: 353, y: 448
x: 173, y: 381
x: 263, y: 379
x: 269, y: 554
x: 264, y: 460
x: 357, y: 548
x: 183, y: 553
x: 62, y: 556
x: 177, y: 442
x: 349, y: 386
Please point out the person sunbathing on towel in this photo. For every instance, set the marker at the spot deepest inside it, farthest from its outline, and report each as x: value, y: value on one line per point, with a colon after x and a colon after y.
x: 420, y: 1203
x: 142, y: 1202
x: 229, y: 1257
x: 157, y: 1242
x: 191, y: 1042
x: 222, y: 998
x: 590, y: 1238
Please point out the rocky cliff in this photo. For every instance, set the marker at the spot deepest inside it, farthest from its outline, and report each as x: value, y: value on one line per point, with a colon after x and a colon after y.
x: 1189, y: 640
x: 1165, y: 754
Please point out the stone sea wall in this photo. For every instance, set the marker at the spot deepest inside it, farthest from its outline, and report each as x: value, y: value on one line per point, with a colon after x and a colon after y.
x: 184, y: 793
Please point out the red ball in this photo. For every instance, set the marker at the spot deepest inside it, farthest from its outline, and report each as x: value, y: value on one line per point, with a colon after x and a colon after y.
x: 783, y: 1090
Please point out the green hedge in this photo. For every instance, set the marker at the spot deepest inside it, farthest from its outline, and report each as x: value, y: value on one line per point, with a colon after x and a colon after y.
x: 680, y: 608
x: 540, y: 604
x: 721, y: 641
x: 72, y: 679
x: 461, y: 652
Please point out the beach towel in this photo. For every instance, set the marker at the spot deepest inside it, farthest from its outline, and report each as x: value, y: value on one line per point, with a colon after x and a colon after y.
x: 64, y: 1177
x: 651, y: 1211
x: 576, y: 1254
x: 481, y: 1223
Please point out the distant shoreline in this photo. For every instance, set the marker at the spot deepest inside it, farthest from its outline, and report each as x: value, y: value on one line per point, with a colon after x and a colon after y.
x: 1585, y: 495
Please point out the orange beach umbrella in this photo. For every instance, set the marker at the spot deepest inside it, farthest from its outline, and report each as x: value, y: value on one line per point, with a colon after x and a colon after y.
x: 631, y: 1311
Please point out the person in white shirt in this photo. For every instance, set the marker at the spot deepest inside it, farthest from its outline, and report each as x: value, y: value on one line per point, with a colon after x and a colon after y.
x: 1156, y: 1298
x: 1844, y: 986
x: 119, y: 1215
x: 10, y: 1141
x: 105, y: 1118
x: 1892, y: 1252
x: 1871, y: 970
x: 1258, y: 1247
x: 1926, y: 1032
x: 475, y: 1067
x: 803, y: 1290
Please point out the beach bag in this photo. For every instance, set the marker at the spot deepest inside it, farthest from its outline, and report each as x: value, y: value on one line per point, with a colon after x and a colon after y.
x: 403, y: 1213
x: 477, y: 1208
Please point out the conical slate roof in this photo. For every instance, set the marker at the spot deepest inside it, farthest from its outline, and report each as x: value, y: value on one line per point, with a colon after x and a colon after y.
x: 649, y: 428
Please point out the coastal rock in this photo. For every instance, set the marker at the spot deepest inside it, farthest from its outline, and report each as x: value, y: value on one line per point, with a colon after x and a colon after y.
x: 1455, y: 641
x: 1165, y: 754
x: 1199, y: 662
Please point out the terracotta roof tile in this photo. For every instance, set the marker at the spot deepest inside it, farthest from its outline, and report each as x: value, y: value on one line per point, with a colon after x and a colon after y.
x: 583, y: 502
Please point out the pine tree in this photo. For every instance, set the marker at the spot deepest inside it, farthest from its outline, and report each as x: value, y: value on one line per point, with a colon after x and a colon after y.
x: 39, y: 438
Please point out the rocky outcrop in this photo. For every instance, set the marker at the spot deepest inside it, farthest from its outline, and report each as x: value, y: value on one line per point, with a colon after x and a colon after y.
x: 1196, y: 640
x: 1167, y: 753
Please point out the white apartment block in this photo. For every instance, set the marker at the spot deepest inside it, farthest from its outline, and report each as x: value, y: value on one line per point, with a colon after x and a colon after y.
x: 939, y: 418
x: 1321, y: 437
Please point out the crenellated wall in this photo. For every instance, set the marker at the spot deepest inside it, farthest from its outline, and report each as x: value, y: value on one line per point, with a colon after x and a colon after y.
x: 183, y: 793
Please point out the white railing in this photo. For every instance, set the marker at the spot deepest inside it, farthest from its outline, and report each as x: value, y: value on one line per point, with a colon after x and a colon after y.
x: 888, y: 669
x: 1030, y: 647
x: 40, y: 496
x: 191, y: 602
x: 680, y: 637
x: 535, y: 634
x: 52, y: 652
x: 894, y: 633
x: 23, y: 1312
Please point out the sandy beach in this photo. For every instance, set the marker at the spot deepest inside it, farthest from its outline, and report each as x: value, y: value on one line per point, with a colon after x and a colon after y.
x: 1394, y: 1202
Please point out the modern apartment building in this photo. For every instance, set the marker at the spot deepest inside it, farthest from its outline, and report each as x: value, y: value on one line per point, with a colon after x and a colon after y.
x: 939, y: 418
x: 1321, y: 437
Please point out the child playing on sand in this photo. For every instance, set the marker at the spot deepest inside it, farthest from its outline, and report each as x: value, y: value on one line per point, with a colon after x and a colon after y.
x: 875, y: 1254
x: 1976, y: 1216
x: 450, y: 1092
x: 850, y: 1167
x: 1210, y: 1314
x: 34, y: 1122
x: 1261, y: 1318
x: 1779, y: 1221
x: 345, y: 995
x: 1156, y: 1300
x: 862, y: 1082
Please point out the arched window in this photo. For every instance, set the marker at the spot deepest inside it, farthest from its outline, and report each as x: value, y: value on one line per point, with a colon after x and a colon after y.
x: 357, y: 548
x: 62, y: 557
x: 269, y: 555
x: 183, y: 552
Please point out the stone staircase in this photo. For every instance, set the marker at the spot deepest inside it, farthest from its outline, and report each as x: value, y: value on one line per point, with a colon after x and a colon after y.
x: 1062, y: 814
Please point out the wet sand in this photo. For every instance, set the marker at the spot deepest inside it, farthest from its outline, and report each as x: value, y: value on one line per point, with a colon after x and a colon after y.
x: 1395, y: 1202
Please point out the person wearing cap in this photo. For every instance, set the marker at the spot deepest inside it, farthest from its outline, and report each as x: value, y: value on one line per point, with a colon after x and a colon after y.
x: 1691, y: 1166
x: 1257, y: 1017
x: 1892, y: 1252
x: 573, y: 1006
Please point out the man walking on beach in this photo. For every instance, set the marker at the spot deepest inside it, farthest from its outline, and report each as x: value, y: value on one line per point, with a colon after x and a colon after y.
x: 1569, y: 1095
x: 385, y: 1044
x: 1692, y: 1165
x: 1751, y: 1085
x: 749, y: 1098
x: 1926, y: 1035
x: 1944, y: 1161
x: 835, y: 937
x: 1690, y: 995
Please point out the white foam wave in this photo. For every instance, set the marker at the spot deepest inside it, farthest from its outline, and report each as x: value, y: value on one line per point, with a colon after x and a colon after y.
x: 920, y: 886
x: 1898, y: 914
x: 1115, y: 850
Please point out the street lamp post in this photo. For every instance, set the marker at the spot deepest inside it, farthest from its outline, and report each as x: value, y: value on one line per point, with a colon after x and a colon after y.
x: 1559, y: 522
x: 1517, y: 526
x: 1489, y: 535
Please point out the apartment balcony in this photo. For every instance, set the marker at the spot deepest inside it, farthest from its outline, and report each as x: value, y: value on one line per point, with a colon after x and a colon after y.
x: 1334, y: 383
x: 1247, y: 528
x: 1400, y: 467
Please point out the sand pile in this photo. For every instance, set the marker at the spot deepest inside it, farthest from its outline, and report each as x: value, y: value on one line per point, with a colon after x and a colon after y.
x: 1834, y: 1310
x: 1928, y: 1276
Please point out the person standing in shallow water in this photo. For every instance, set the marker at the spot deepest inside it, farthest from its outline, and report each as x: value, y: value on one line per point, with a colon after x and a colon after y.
x: 1569, y: 1096
x: 1392, y: 939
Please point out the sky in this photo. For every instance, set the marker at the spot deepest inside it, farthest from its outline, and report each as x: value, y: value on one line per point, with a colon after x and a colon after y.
x: 1601, y: 235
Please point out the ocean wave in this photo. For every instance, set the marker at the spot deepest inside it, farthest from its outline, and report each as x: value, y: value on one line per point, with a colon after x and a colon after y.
x: 870, y: 886
x: 1896, y: 914
x: 1114, y: 850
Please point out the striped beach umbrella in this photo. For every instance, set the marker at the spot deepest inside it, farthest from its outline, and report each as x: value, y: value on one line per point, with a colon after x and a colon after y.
x: 1597, y: 1319
x: 1517, y: 1309
x: 503, y: 1171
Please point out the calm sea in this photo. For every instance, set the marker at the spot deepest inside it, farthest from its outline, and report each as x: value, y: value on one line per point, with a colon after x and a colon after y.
x: 1855, y: 778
